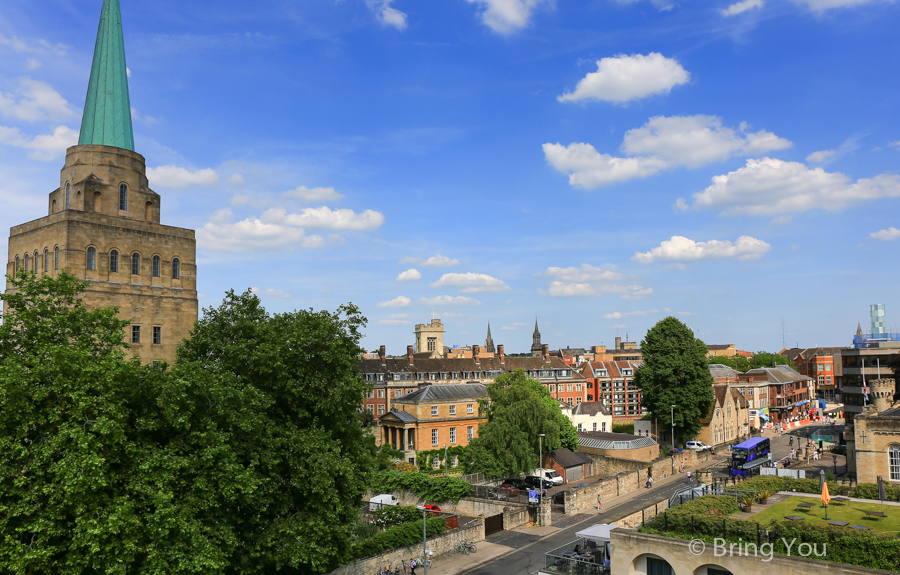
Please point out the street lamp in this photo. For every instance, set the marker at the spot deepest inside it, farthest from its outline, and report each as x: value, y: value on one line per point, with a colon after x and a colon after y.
x: 673, y: 429
x: 424, y: 539
x: 541, y: 476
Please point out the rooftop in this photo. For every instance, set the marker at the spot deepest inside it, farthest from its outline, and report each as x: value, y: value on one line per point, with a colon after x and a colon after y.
x: 606, y: 440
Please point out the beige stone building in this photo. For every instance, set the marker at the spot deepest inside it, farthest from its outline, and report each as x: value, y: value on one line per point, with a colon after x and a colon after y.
x: 103, y: 222
x: 727, y: 418
x: 430, y: 338
x: 873, y: 439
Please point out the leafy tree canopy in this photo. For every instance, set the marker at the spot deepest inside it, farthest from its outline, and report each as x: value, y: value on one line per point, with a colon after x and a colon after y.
x: 675, y: 372
x: 246, y: 457
x: 517, y: 409
x: 759, y: 359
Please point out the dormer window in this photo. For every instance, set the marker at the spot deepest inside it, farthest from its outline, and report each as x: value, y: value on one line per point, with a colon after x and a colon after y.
x: 123, y: 197
x: 602, y: 373
x: 627, y: 371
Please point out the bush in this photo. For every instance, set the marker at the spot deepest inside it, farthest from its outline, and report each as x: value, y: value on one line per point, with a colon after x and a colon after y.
x: 623, y: 428
x: 422, y: 484
x: 396, y: 537
x: 391, y: 515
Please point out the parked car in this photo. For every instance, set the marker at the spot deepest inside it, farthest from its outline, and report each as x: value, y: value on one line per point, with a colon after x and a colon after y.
x: 548, y: 474
x: 698, y: 445
x: 515, y: 484
x: 434, y: 509
x: 539, y: 483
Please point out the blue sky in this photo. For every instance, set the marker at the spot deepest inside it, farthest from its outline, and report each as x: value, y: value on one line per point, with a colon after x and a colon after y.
x: 599, y: 164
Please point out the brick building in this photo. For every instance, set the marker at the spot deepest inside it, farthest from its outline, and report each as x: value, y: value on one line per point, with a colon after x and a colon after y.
x: 612, y: 382
x: 788, y: 391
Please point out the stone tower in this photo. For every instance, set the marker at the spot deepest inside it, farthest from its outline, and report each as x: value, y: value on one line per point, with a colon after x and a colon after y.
x: 881, y: 393
x: 430, y: 337
x: 103, y: 222
x: 536, y: 341
x: 489, y: 341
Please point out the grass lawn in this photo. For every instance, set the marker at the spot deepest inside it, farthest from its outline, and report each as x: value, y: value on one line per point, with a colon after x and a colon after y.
x: 852, y: 512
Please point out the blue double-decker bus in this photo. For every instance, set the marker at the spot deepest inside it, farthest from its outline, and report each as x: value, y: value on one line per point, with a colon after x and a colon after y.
x: 749, y: 455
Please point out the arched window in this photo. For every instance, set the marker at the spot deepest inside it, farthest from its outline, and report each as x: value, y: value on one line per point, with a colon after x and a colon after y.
x: 26, y: 262
x: 46, y: 260
x: 156, y: 262
x: 35, y: 264
x: 176, y: 269
x: 123, y: 197
x: 67, y: 195
x: 92, y: 258
x: 56, y: 258
x: 17, y: 264
x: 135, y: 264
x: 114, y: 261
x: 894, y: 462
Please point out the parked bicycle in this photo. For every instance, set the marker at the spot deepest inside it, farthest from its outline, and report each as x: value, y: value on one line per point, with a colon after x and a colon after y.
x: 469, y: 547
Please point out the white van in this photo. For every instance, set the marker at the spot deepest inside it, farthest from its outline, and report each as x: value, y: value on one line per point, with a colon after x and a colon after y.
x: 380, y: 501
x: 547, y: 475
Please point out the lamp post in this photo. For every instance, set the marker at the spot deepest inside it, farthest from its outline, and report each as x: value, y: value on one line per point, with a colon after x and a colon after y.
x: 673, y: 429
x: 424, y: 540
x: 541, y: 476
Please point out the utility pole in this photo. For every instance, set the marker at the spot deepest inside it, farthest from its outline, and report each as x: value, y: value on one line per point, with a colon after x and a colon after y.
x: 673, y: 429
x: 541, y: 476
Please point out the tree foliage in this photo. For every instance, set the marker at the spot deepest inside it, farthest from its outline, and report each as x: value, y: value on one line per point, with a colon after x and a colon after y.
x: 675, y: 372
x: 759, y: 359
x: 432, y: 488
x: 246, y: 457
x: 517, y: 409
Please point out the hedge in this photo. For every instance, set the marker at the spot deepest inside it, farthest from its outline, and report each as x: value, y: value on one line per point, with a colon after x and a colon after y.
x: 396, y: 537
x: 422, y: 484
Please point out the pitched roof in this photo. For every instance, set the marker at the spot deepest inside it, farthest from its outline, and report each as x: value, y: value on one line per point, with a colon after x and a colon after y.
x: 606, y: 440
x: 778, y: 374
x: 401, y: 415
x: 590, y: 408
x: 719, y: 347
x: 567, y: 458
x: 444, y: 392
x: 720, y: 371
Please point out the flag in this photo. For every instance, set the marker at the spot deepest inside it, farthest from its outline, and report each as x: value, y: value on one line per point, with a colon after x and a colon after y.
x: 826, y: 499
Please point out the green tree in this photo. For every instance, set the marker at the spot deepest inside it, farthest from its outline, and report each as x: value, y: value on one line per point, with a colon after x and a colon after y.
x: 759, y: 359
x: 517, y: 409
x: 675, y: 372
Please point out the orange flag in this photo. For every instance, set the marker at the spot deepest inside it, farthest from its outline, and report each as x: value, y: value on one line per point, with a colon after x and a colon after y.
x: 826, y: 499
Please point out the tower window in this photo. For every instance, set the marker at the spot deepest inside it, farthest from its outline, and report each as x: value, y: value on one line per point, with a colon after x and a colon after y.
x: 135, y: 334
x: 176, y: 269
x: 26, y: 262
x: 157, y: 334
x: 46, y: 260
x: 67, y: 195
x: 114, y: 261
x: 92, y: 258
x: 56, y: 258
x: 135, y: 264
x: 17, y: 264
x: 123, y: 197
x: 156, y: 262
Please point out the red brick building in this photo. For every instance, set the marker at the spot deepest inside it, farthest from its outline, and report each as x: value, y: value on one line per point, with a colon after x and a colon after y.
x: 613, y: 383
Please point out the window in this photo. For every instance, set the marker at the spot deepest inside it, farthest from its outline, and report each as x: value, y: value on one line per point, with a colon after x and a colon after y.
x: 26, y: 262
x: 157, y: 334
x: 436, y: 462
x: 123, y: 197
x: 470, y: 409
x: 114, y: 261
x: 56, y: 258
x: 17, y: 264
x: 603, y: 426
x: 92, y: 258
x: 568, y: 387
x: 380, y: 409
x: 577, y: 400
x: 452, y: 435
x: 156, y: 262
x: 67, y: 195
x: 828, y: 380
x: 894, y: 462
x: 135, y: 334
x: 380, y: 394
x: 470, y: 432
x: 553, y: 388
x: 577, y: 387
x: 452, y: 410
x: 433, y: 411
x: 371, y: 394
x: 434, y: 437
x: 46, y: 260
x: 370, y: 408
x: 135, y: 264
x: 35, y: 264
x: 595, y: 426
x: 601, y: 373
x: 579, y: 427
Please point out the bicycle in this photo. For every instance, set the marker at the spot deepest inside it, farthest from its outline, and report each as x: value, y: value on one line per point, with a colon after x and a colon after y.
x: 469, y: 547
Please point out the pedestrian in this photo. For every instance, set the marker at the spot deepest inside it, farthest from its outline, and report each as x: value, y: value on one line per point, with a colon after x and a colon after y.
x: 792, y: 453
x: 682, y: 467
x: 649, y: 482
x: 791, y: 442
x: 689, y: 476
x: 412, y: 565
x: 599, y: 502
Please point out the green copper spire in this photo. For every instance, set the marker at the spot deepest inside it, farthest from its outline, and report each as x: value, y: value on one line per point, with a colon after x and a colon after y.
x: 107, y: 108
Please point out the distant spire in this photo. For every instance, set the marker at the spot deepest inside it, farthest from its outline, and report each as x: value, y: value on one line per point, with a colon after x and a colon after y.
x: 859, y: 329
x: 536, y: 340
x: 107, y: 107
x: 489, y: 342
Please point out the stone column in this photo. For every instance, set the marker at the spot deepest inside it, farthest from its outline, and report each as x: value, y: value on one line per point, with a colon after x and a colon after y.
x: 544, y: 514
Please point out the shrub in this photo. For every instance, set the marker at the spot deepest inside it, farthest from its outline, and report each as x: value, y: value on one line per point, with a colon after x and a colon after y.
x: 623, y: 428
x: 391, y: 515
x: 422, y: 484
x: 396, y: 537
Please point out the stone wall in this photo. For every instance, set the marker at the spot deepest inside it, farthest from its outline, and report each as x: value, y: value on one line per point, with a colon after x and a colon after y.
x: 637, y: 518
x: 440, y: 545
x: 514, y: 514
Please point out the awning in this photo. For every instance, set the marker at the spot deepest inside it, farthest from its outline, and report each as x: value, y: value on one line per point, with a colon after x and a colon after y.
x: 598, y: 532
x: 802, y: 402
x: 764, y: 417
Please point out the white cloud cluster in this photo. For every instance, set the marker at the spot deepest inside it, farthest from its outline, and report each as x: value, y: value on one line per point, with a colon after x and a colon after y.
x: 513, y: 326
x: 824, y: 157
x: 399, y: 301
x: 822, y: 5
x: 449, y: 300
x: 46, y: 147
x: 437, y: 261
x: 663, y: 5
x: 887, y: 235
x: 312, y: 195
x: 325, y: 218
x: 682, y: 249
x: 178, y: 177
x: 770, y: 187
x: 409, y: 275
x: 620, y: 314
x: 471, y: 282
x: 585, y: 273
x: 271, y: 292
x: 661, y: 143
x: 624, y: 78
x: 741, y: 7
x: 39, y: 46
x: 386, y: 14
x: 507, y: 16
x: 395, y: 319
x: 588, y: 280
x: 35, y: 101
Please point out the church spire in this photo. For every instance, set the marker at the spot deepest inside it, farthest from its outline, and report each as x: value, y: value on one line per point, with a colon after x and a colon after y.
x: 489, y: 342
x: 536, y: 341
x: 107, y: 108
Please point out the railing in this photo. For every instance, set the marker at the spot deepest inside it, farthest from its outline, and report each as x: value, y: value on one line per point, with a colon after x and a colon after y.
x: 563, y: 560
x: 500, y: 494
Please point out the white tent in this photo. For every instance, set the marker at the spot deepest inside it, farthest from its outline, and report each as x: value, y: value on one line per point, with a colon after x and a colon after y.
x: 598, y: 532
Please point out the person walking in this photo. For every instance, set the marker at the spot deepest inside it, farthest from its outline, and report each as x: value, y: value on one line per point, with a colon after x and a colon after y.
x: 791, y: 441
x: 412, y: 565
x: 689, y: 476
x: 682, y: 467
x: 599, y: 502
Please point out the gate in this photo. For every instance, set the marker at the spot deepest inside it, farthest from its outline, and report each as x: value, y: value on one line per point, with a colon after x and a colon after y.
x: 574, y: 474
x: 493, y: 524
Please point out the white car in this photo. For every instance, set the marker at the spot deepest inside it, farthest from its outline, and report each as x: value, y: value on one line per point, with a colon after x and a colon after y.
x: 698, y: 446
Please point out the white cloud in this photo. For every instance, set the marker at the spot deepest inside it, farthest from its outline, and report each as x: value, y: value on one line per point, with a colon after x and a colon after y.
x: 824, y: 157
x: 396, y: 319
x: 386, y: 14
x: 886, y: 235
x: 45, y: 147
x: 563, y: 289
x: 271, y: 292
x: 507, y: 16
x: 820, y: 157
x: 449, y: 300
x: 409, y: 275
x: 822, y: 5
x: 313, y: 195
x: 178, y: 177
x: 437, y: 261
x: 770, y: 187
x: 33, y: 63
x: 663, y: 5
x: 514, y: 326
x: 38, y: 46
x: 620, y: 314
x: 586, y: 273
x: 399, y: 301
x: 471, y: 283
x: 624, y: 78
x: 682, y: 249
x: 324, y: 217
x: 34, y: 101
x: 236, y: 180
x: 661, y: 143
x: 221, y: 233
x: 741, y: 7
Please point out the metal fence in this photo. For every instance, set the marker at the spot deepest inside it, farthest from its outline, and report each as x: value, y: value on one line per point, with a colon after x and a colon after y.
x: 480, y: 479
x: 686, y: 494
x: 500, y: 494
x: 563, y: 560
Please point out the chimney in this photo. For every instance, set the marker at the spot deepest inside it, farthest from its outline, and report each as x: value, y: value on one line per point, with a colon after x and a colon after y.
x: 501, y: 354
x: 618, y: 342
x: 381, y: 354
x: 476, y: 351
x: 545, y: 351
x: 409, y: 354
